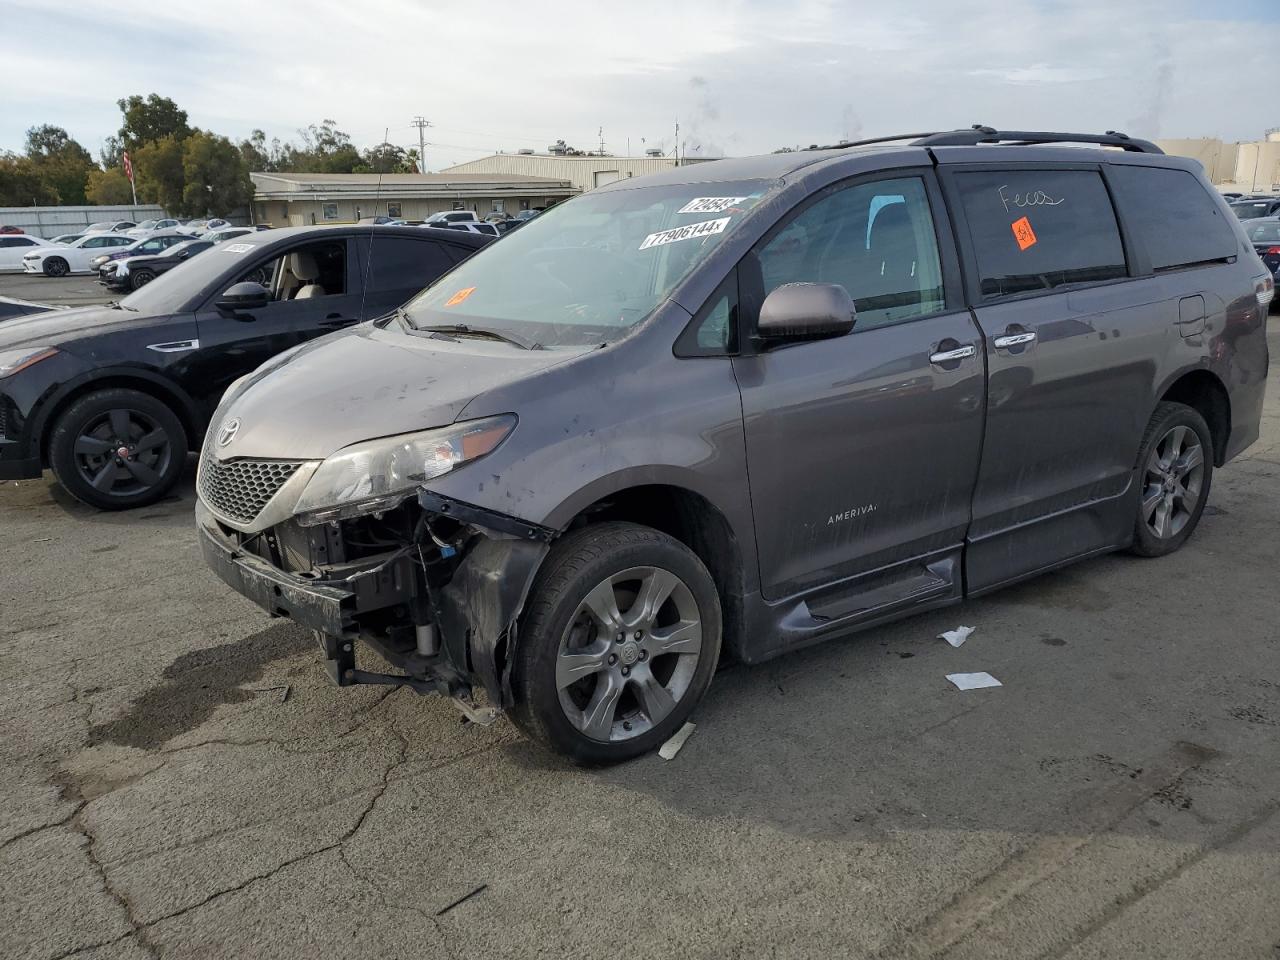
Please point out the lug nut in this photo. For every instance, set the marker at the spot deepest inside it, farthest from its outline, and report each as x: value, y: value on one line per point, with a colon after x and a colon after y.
x: 639, y: 634
x: 626, y: 671
x: 621, y: 637
x: 626, y: 724
x: 612, y: 659
x: 644, y: 655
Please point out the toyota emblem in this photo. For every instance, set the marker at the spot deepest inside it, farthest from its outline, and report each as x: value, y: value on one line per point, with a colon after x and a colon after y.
x: 227, y: 432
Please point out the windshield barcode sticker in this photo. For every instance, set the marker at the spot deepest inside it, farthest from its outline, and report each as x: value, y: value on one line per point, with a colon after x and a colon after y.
x: 710, y: 204
x: 703, y: 229
x: 237, y: 247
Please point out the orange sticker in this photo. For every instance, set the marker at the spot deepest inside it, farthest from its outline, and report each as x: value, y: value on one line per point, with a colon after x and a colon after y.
x: 465, y: 292
x: 1023, y: 233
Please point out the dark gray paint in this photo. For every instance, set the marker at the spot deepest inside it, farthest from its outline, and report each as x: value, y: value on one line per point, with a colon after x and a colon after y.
x: 974, y: 481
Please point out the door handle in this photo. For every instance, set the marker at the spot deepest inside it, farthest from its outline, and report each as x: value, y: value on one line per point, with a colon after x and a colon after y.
x: 1013, y: 340
x: 947, y: 356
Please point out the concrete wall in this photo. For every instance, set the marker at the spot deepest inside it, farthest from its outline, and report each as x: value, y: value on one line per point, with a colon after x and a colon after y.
x: 51, y: 221
x: 1258, y: 167
x: 584, y: 173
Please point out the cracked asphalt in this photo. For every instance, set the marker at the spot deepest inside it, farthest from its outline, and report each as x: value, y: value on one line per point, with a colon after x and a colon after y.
x: 1117, y: 797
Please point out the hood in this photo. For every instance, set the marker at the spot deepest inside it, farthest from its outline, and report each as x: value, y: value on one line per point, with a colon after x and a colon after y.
x: 58, y: 327
x: 366, y: 383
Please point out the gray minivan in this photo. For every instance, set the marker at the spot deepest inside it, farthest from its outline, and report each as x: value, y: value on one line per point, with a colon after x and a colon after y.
x: 742, y: 407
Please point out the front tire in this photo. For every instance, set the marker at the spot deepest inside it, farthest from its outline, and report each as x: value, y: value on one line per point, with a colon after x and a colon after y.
x: 618, y: 642
x: 56, y: 267
x: 1175, y: 467
x: 117, y: 449
x: 141, y: 279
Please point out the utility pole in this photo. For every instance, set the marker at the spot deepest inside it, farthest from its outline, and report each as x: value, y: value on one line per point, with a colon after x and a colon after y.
x: 601, y: 133
x: 422, y: 125
x: 677, y: 143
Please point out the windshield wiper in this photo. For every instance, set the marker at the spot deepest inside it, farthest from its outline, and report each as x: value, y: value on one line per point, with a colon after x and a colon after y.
x: 470, y: 331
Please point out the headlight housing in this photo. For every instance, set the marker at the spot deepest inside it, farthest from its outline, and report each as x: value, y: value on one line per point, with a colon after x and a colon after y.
x: 376, y: 475
x: 12, y: 361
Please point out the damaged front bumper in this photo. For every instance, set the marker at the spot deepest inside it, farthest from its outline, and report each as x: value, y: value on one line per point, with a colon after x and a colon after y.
x: 443, y: 610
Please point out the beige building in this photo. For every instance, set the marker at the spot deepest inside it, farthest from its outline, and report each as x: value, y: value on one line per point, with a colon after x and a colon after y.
x: 1246, y: 167
x: 301, y: 199
x: 583, y: 171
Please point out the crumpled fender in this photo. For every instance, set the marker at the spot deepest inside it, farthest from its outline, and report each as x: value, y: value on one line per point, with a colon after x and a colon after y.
x: 481, y: 604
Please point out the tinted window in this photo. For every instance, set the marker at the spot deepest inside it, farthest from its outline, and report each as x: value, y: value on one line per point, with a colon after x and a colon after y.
x: 120, y: 241
x: 95, y: 242
x: 1039, y: 229
x: 399, y: 263
x: 319, y: 266
x: 1251, y: 210
x: 876, y: 240
x: 8, y: 242
x: 1174, y: 216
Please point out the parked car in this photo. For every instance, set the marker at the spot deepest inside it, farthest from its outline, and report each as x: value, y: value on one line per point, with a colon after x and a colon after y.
x: 138, y: 268
x: 13, y: 247
x: 207, y: 225
x: 66, y: 238
x: 527, y: 214
x: 451, y: 216
x: 469, y: 226
x: 1253, y: 209
x: 506, y: 226
x: 757, y: 402
x: 219, y: 236
x: 1265, y: 236
x: 58, y: 260
x: 155, y: 243
x: 13, y: 307
x: 8, y: 229
x: 112, y: 398
x: 110, y: 226
x: 383, y: 221
x: 148, y: 228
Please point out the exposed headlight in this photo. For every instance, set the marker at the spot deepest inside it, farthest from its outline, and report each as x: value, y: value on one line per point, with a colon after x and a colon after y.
x: 11, y: 361
x: 376, y: 475
x: 99, y: 261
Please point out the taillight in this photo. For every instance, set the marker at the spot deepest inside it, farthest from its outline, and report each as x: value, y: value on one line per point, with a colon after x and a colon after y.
x: 1272, y: 252
x: 1264, y: 287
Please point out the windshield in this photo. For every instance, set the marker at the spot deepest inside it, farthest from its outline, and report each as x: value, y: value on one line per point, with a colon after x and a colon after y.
x: 589, y: 269
x: 1249, y: 211
x: 172, y: 291
x: 146, y: 224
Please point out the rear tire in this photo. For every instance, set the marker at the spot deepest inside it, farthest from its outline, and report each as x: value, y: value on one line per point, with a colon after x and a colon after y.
x: 116, y: 449
x: 141, y: 279
x: 1175, y: 472
x: 599, y: 693
x: 56, y: 267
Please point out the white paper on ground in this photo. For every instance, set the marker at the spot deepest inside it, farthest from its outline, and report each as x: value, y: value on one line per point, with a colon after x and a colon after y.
x: 669, y: 749
x: 957, y: 636
x: 973, y: 681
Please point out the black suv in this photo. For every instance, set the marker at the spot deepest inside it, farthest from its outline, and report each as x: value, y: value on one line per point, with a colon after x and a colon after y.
x: 113, y: 397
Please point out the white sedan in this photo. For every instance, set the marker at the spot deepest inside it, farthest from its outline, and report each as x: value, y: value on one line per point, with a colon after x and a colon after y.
x: 64, y: 258
x: 14, y: 246
x: 147, y: 227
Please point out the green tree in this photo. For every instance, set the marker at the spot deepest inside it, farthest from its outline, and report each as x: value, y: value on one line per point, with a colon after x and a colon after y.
x: 21, y: 184
x: 388, y: 158
x: 258, y: 154
x: 324, y: 149
x: 216, y: 177
x: 60, y: 161
x: 149, y: 119
x: 108, y: 187
x: 158, y: 169
x: 111, y: 152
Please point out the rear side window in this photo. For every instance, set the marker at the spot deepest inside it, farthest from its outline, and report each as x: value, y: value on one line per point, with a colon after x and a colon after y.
x: 399, y: 263
x: 1174, y: 216
x: 1039, y: 229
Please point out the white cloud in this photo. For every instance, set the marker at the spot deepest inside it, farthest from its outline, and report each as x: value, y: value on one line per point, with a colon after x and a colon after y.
x: 507, y: 75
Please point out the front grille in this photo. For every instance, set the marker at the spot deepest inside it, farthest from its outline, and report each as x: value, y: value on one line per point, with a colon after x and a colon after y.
x: 239, y: 489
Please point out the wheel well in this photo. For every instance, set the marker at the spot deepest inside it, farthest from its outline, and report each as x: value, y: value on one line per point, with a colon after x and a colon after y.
x: 150, y: 387
x: 1204, y: 393
x: 691, y: 519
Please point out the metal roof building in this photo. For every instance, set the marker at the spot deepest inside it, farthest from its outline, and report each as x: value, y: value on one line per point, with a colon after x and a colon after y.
x: 300, y: 199
x: 584, y: 171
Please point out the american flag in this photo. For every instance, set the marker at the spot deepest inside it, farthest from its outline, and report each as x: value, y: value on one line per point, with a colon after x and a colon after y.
x: 128, y: 166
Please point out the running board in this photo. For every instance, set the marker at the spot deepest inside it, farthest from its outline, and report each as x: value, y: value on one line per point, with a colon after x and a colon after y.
x: 888, y: 592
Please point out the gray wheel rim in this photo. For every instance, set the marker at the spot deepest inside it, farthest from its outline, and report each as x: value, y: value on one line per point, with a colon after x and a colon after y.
x: 629, y: 654
x: 122, y: 453
x: 1173, y: 483
x: 57, y: 268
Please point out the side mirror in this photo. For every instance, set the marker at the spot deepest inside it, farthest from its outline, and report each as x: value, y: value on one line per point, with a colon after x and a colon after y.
x: 245, y: 295
x: 806, y: 311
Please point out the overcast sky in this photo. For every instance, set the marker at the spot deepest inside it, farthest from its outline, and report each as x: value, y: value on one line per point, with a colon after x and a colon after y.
x: 741, y: 77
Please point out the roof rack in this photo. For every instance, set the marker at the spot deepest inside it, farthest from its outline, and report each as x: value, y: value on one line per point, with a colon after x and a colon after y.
x: 979, y: 134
